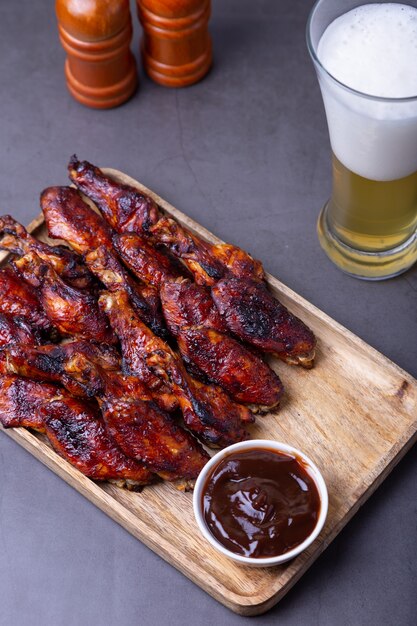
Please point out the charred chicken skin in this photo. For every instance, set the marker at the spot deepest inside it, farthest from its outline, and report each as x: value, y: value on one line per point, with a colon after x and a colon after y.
x: 72, y: 311
x: 73, y: 427
x: 77, y: 432
x: 255, y: 316
x: 16, y: 239
x: 16, y: 330
x: 69, y: 218
x: 221, y: 358
x: 21, y: 401
x: 48, y: 363
x: 17, y: 298
x: 142, y: 430
x: 207, y: 411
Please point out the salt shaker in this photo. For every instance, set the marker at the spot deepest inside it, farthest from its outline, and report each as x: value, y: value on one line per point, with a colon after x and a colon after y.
x: 176, y: 46
x: 96, y: 34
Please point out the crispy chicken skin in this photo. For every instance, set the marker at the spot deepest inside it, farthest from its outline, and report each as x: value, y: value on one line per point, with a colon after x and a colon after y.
x: 208, y: 412
x: 255, y: 316
x: 72, y: 311
x: 78, y: 433
x: 68, y: 217
x: 16, y: 330
x: 128, y: 210
x: 125, y: 208
x: 140, y: 428
x: 194, y: 320
x: 21, y: 401
x: 16, y: 239
x: 17, y: 298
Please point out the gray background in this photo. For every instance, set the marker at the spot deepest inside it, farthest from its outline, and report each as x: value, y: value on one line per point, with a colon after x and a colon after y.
x: 245, y: 153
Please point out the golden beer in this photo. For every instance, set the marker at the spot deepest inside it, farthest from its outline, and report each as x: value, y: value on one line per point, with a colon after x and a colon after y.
x: 372, y: 215
x: 364, y: 56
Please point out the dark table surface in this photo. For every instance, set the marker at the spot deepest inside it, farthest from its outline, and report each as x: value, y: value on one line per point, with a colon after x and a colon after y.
x: 245, y: 153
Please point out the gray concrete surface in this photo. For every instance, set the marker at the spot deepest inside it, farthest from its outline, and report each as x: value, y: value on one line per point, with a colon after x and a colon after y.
x: 246, y: 153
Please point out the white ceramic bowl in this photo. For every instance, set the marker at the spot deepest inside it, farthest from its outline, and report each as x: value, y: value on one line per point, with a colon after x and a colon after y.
x: 309, y: 466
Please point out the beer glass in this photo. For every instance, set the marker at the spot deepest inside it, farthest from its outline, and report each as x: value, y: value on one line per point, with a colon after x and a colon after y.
x: 368, y: 228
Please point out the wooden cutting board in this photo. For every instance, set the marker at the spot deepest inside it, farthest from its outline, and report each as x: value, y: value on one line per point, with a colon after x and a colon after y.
x: 354, y: 414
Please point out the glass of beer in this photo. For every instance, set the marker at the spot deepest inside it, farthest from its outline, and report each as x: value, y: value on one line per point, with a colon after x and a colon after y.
x: 365, y: 56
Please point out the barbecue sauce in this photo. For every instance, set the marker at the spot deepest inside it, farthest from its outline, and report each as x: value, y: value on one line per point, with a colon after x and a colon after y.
x: 260, y: 503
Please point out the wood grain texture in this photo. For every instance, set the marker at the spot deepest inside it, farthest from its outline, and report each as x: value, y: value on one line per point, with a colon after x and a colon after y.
x: 354, y: 414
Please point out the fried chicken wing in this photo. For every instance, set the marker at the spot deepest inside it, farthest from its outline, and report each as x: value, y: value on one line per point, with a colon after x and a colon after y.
x: 17, y: 298
x: 125, y: 208
x: 16, y: 239
x: 255, y: 316
x: 218, y: 422
x: 21, y: 401
x: 77, y: 432
x: 69, y: 218
x: 140, y: 428
x: 16, y: 330
x: 71, y: 311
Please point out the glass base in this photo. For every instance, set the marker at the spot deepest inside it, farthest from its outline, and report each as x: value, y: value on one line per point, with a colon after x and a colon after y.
x: 366, y: 265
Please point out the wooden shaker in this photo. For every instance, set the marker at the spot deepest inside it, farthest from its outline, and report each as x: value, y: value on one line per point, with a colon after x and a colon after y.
x: 176, y: 46
x: 96, y: 34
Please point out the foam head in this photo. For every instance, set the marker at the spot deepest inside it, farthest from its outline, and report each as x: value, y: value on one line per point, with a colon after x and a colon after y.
x: 372, y: 49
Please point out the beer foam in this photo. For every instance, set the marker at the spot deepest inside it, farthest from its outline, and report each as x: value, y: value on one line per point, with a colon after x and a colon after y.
x: 372, y: 49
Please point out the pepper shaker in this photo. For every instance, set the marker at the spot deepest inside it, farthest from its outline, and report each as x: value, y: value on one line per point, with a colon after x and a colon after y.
x: 176, y: 45
x: 100, y: 69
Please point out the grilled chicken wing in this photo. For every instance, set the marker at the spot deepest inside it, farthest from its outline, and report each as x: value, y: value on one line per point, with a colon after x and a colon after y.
x: 21, y: 401
x: 73, y: 427
x: 16, y: 330
x: 125, y: 208
x: 71, y: 311
x: 80, y: 436
x: 208, y: 412
x: 17, y: 298
x: 68, y: 217
x: 128, y: 210
x: 209, y: 263
x: 191, y: 316
x: 255, y: 316
x: 144, y: 260
x: 188, y: 304
x: 16, y: 239
x: 140, y: 428
x: 47, y: 363
x: 144, y: 298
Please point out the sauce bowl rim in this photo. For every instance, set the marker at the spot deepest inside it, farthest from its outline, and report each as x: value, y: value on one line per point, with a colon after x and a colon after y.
x: 276, y: 446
